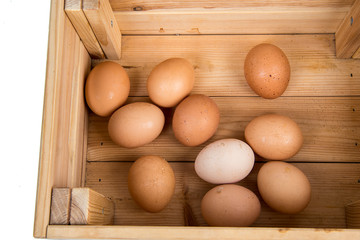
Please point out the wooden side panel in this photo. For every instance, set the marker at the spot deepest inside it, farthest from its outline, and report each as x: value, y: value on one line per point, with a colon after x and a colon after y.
x: 219, y: 63
x: 348, y: 34
x: 333, y: 186
x: 64, y: 117
x: 199, y: 233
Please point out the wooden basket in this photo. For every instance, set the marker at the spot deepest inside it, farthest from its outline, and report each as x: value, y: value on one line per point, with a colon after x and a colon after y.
x: 321, y: 39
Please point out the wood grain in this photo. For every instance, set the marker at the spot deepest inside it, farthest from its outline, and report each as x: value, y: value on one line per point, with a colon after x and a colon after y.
x: 219, y: 61
x: 333, y: 186
x: 64, y: 115
x: 348, y: 34
x: 73, y: 9
x: 60, y: 206
x: 357, y: 54
x: 90, y: 207
x: 330, y: 126
x: 101, y: 18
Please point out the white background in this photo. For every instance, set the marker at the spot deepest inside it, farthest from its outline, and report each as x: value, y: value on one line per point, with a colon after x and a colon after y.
x: 23, y: 50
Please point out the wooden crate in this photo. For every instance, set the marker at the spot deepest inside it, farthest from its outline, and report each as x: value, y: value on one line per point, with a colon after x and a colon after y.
x: 321, y: 39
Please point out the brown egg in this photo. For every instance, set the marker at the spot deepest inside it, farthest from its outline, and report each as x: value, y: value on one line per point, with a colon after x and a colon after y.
x: 151, y: 183
x: 136, y: 124
x: 274, y: 137
x: 107, y: 88
x: 230, y: 205
x: 267, y: 70
x: 284, y: 187
x: 170, y: 81
x: 195, y: 120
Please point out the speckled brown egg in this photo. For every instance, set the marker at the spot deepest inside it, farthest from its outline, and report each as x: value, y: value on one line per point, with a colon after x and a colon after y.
x: 230, y: 205
x: 267, y: 70
x: 195, y: 120
x: 136, y: 124
x: 151, y: 183
x: 107, y: 88
x: 284, y: 187
x: 170, y: 81
x: 274, y: 136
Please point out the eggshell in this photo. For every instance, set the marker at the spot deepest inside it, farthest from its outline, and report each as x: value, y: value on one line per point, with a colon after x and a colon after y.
x: 224, y: 161
x: 107, y: 88
x: 230, y: 205
x: 136, y: 124
x: 274, y: 137
x: 151, y: 183
x: 284, y: 187
x: 170, y: 81
x: 267, y: 70
x: 195, y: 120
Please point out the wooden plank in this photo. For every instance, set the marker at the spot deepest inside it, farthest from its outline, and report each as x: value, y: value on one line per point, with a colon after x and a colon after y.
x: 357, y: 54
x: 200, y: 233
x: 330, y: 126
x: 333, y: 186
x: 219, y: 60
x: 101, y: 18
x: 60, y: 206
x: 348, y: 33
x: 64, y: 114
x: 73, y: 9
x: 141, y: 5
x: 242, y: 20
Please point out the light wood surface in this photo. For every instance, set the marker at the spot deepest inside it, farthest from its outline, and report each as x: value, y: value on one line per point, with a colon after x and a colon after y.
x: 330, y: 126
x: 348, y: 33
x: 357, y: 54
x: 333, y: 186
x: 101, y: 18
x: 73, y: 9
x: 60, y: 206
x: 61, y: 161
x: 90, y: 207
x: 219, y: 63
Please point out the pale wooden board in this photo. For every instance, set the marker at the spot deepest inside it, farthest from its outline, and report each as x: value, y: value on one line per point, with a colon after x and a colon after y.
x: 62, y: 141
x: 129, y: 5
x: 333, y: 186
x: 60, y: 206
x: 330, y: 126
x: 241, y: 20
x: 348, y: 33
x: 219, y: 62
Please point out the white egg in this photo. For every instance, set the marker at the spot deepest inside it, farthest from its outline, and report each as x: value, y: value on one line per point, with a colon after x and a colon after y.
x: 225, y: 161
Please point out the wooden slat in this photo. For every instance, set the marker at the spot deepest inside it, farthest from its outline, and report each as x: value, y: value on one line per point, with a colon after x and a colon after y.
x: 90, y: 207
x: 330, y: 126
x: 136, y: 5
x: 64, y: 114
x: 219, y: 63
x: 244, y: 20
x: 348, y: 33
x: 333, y: 186
x: 101, y: 18
x: 60, y: 206
x: 73, y: 9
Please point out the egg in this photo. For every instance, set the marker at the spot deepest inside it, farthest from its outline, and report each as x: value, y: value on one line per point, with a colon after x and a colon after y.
x: 151, y: 183
x: 274, y: 136
x: 107, y: 88
x: 284, y: 187
x: 230, y: 205
x: 136, y: 124
x: 267, y: 70
x: 224, y: 161
x: 170, y: 81
x: 195, y: 120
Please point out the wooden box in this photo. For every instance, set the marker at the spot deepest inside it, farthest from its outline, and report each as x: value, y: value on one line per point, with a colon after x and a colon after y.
x: 321, y: 39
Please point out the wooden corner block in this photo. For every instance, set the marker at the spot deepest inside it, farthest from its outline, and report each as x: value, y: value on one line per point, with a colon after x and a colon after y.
x: 102, y: 20
x: 73, y: 9
x: 90, y: 207
x: 348, y: 34
x: 60, y: 206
